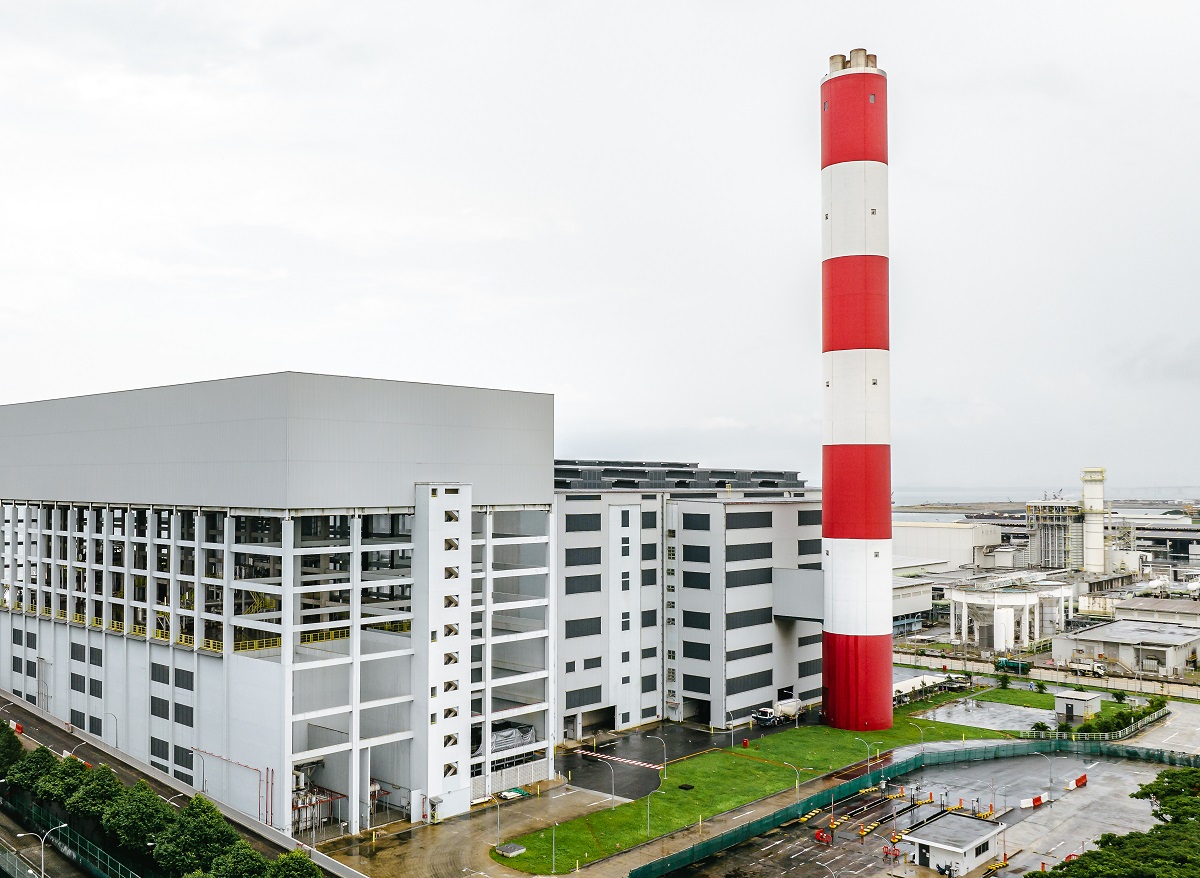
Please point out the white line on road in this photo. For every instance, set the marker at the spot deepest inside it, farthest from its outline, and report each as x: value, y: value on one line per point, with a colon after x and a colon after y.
x: 745, y: 814
x: 768, y: 847
x: 1090, y: 767
x: 601, y: 802
x: 609, y: 744
x: 1169, y: 737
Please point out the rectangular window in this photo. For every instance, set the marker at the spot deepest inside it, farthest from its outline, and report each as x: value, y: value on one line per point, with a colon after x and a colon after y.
x: 695, y: 650
x: 695, y: 579
x: 16, y: 635
x: 19, y: 665
x: 693, y: 619
x: 31, y: 639
x: 160, y: 673
x: 570, y: 667
x: 810, y: 693
x: 650, y: 683
x: 583, y: 523
x: 624, y: 681
x: 624, y: 547
x: 583, y: 697
x: 624, y: 657
x: 809, y: 640
x: 590, y: 663
x: 30, y: 668
x: 159, y: 748
x: 748, y: 552
x: 742, y: 520
x: 96, y: 726
x: 583, y: 627
x: 624, y: 621
x: 96, y: 656
x: 648, y: 712
x: 625, y: 717
x: 624, y: 580
x: 583, y: 584
x: 183, y: 756
x: 699, y: 554
x: 747, y: 652
x: 808, y: 668
x: 757, y: 680
x: 185, y: 679
x: 185, y: 777
x: 78, y: 719
x: 183, y: 714
x: 163, y: 768
x: 160, y: 707
x: 78, y: 652
x: 650, y: 576
x: 649, y: 520
x: 96, y: 688
x: 980, y: 849
x: 693, y: 683
x: 806, y: 517
x: 738, y: 578
x: 693, y: 521
x: 746, y: 618
x: 624, y: 518
x: 649, y: 652
x: 649, y: 618
x: 808, y: 547
x: 583, y: 496
x: 582, y: 557
x: 649, y: 551
x: 78, y: 683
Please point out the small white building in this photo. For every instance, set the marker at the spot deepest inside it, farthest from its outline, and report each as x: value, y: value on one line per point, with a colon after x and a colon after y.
x: 959, y: 543
x: 955, y: 839
x: 1073, y: 707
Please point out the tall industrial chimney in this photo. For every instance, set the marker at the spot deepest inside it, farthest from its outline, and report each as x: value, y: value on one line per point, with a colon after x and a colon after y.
x: 856, y: 465
x: 1093, y: 519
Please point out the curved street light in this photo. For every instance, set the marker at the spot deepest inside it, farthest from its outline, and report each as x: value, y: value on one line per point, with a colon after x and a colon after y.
x: 664, y: 764
x: 43, y: 837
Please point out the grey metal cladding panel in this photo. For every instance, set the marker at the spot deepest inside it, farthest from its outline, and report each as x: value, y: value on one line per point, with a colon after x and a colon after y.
x: 365, y: 442
x: 209, y: 443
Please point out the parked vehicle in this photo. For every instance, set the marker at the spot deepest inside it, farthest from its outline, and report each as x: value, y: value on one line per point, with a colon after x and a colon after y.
x: 778, y: 713
x: 1088, y: 667
x: 1014, y: 666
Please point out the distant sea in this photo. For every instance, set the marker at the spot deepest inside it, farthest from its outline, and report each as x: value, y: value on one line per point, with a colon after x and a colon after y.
x: 911, y: 496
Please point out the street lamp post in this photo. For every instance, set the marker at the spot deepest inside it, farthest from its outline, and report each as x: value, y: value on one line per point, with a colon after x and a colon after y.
x: 797, y: 770
x: 203, y: 771
x: 43, y: 837
x: 116, y: 729
x: 614, y: 781
x: 729, y: 719
x: 664, y: 743
x: 920, y: 729
x: 652, y: 793
x: 868, y: 746
x: 553, y: 848
x: 496, y: 796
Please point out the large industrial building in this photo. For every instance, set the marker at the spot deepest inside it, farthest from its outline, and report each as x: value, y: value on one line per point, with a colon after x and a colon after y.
x: 313, y: 597
x: 680, y: 593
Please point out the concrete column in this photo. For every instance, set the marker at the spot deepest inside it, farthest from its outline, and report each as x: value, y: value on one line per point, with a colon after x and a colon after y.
x: 952, y: 620
x: 287, y: 658
x: 1025, y: 625
x: 357, y: 756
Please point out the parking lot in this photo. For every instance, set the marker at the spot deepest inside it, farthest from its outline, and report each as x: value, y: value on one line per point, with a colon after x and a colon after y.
x: 1066, y: 824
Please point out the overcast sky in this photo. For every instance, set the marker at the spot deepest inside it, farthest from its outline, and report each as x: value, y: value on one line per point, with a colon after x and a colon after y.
x: 618, y: 203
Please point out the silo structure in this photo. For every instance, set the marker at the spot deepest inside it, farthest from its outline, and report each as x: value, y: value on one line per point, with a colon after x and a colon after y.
x: 856, y: 459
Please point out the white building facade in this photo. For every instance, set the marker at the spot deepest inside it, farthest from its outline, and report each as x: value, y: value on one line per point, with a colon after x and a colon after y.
x: 667, y: 593
x: 318, y: 599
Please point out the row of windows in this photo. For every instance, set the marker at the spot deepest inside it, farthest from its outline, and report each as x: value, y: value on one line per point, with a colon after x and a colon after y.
x: 748, y: 551
x: 592, y: 521
x: 746, y: 618
x: 30, y: 638
x: 808, y: 668
x: 29, y: 667
x: 162, y: 674
x: 755, y: 576
x: 740, y: 520
x: 94, y: 724
x: 93, y: 655
x: 748, y: 651
x: 161, y: 708
x: 96, y: 687
x: 583, y: 697
x: 160, y: 749
x: 746, y: 682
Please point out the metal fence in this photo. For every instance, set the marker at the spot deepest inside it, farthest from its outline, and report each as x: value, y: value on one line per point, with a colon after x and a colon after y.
x: 71, y: 844
x: 725, y: 840
x: 12, y: 865
x: 1101, y: 736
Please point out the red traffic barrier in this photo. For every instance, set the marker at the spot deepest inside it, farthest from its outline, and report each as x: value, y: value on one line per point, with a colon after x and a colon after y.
x: 16, y: 727
x: 745, y: 743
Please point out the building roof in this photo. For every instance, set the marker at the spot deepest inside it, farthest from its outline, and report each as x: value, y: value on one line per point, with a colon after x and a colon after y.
x: 287, y: 440
x: 1086, y: 697
x: 1136, y: 633
x: 1162, y: 605
x: 956, y: 831
x: 607, y: 475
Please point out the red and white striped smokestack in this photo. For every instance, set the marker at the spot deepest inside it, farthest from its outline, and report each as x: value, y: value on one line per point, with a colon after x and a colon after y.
x: 856, y: 465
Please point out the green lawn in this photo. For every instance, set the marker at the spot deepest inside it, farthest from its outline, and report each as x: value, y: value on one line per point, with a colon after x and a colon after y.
x: 724, y: 780
x: 1040, y: 700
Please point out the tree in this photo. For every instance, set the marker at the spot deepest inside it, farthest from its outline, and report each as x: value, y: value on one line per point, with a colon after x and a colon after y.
x: 1003, y: 681
x: 198, y: 836
x: 27, y: 771
x: 1176, y: 792
x: 95, y: 793
x: 62, y: 781
x: 240, y: 861
x: 137, y: 816
x: 1039, y: 726
x: 1119, y: 696
x: 10, y: 749
x: 1040, y: 686
x: 294, y: 864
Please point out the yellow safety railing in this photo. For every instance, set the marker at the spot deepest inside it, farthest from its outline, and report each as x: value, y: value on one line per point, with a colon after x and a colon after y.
x: 161, y: 634
x: 212, y: 645
x: 17, y: 607
x: 320, y: 636
x: 250, y: 645
x: 138, y: 630
x: 97, y: 622
x: 116, y: 625
x: 31, y: 608
x: 186, y: 640
x: 61, y: 614
x: 403, y: 626
x: 46, y: 611
x: 77, y: 618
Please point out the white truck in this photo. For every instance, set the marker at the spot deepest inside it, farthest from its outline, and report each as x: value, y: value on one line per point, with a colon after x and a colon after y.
x: 1088, y: 667
x: 778, y: 713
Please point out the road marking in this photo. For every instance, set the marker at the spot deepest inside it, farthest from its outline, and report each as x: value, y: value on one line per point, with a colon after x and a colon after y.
x: 1169, y: 737
x: 601, y: 802
x: 609, y: 744
x: 625, y: 761
x: 768, y: 847
x: 745, y: 814
x: 1090, y: 767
